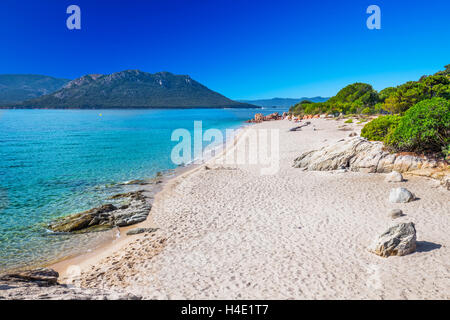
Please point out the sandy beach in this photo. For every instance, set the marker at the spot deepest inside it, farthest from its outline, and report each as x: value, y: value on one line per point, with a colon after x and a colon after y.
x: 228, y: 232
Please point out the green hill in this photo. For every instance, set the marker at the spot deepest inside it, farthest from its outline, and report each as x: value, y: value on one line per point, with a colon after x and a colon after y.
x: 362, y: 98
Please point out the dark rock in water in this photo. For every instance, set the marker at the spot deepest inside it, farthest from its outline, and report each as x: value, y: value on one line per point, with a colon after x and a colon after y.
x: 42, y: 276
x: 138, y: 182
x: 96, y: 218
x: 141, y: 230
x: 106, y: 216
x: 134, y: 195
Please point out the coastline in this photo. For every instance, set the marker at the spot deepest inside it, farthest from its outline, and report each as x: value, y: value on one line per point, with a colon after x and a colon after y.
x: 230, y: 233
x: 108, y: 247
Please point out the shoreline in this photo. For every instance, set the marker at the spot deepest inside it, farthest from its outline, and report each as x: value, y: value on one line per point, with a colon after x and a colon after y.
x: 134, y: 108
x: 108, y: 247
x: 231, y: 233
x: 94, y: 241
x: 228, y: 232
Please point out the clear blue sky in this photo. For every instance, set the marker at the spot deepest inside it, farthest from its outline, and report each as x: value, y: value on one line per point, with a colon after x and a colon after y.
x: 243, y: 49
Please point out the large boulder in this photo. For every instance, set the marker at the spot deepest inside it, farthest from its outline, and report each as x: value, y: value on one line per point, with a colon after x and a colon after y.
x: 359, y: 154
x: 354, y: 154
x: 398, y: 240
x: 401, y: 195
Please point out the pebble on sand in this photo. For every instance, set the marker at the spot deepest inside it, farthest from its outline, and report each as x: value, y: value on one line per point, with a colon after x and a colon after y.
x: 394, y: 176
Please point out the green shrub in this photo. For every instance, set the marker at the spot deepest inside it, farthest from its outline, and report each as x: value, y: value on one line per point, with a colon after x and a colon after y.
x: 349, y: 121
x: 446, y: 152
x: 366, y: 111
x: 379, y: 128
x: 424, y: 128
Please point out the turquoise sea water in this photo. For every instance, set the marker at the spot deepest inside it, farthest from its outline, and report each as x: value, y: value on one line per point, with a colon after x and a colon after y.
x: 58, y: 162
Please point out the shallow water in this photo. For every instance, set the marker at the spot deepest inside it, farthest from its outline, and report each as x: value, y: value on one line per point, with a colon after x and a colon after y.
x: 57, y: 162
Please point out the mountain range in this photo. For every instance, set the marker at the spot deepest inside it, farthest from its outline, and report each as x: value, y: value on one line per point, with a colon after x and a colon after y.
x: 282, y: 102
x: 125, y: 89
x: 132, y: 89
x: 15, y: 88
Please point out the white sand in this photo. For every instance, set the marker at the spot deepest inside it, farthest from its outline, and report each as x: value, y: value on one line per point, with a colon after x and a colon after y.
x: 236, y: 234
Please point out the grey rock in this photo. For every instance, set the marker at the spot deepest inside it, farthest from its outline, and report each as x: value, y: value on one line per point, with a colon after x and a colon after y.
x: 394, y: 176
x: 42, y: 276
x: 358, y: 154
x: 107, y: 216
x: 398, y: 240
x: 401, y: 195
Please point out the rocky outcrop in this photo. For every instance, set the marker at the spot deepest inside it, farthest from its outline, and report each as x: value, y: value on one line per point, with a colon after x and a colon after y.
x: 358, y: 154
x: 441, y: 174
x: 398, y: 240
x: 259, y: 117
x: 91, y: 220
x: 106, y: 216
x: 401, y: 195
x: 41, y: 276
x: 42, y: 284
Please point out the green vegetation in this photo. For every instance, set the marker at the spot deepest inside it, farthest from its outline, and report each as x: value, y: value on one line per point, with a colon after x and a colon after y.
x: 424, y: 128
x: 446, y: 152
x: 361, y: 98
x: 410, y: 93
x: 419, y: 119
x: 353, y: 99
x: 379, y: 128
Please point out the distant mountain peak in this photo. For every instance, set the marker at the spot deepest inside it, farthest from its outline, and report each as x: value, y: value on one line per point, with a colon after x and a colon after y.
x: 282, y: 102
